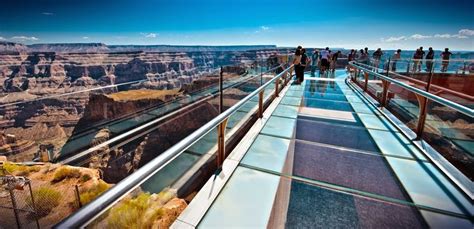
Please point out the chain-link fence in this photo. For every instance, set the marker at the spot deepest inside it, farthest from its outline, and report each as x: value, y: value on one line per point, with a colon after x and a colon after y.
x: 17, y: 207
x: 24, y: 205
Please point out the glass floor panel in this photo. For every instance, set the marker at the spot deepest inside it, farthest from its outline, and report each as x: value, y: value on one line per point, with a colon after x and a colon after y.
x: 286, y: 111
x: 364, y: 172
x: 327, y: 104
x: 267, y: 153
x: 340, y: 135
x: 293, y: 101
x: 279, y: 127
x: 375, y: 122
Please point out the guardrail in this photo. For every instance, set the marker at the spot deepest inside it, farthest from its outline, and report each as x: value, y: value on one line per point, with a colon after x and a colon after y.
x: 133, y: 133
x: 423, y: 97
x: 94, y: 209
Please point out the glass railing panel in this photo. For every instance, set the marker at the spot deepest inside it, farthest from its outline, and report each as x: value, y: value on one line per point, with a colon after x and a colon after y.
x: 456, y: 86
x: 452, y: 135
x: 404, y: 105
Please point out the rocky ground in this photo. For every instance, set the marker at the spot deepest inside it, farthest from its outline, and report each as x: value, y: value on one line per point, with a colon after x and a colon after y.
x: 53, y: 188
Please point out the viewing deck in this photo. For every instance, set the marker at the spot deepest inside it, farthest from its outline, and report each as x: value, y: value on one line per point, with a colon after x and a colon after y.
x: 324, y: 156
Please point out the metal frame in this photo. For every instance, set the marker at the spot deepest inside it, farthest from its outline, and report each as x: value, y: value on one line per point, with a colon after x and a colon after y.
x: 105, y: 201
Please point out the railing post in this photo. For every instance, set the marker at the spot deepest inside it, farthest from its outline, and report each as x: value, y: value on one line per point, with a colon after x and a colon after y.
x: 277, y: 84
x: 260, y: 104
x: 423, y: 103
x: 464, y: 67
x: 408, y: 66
x: 221, y: 94
x: 221, y: 143
x: 385, y: 86
x: 366, y: 78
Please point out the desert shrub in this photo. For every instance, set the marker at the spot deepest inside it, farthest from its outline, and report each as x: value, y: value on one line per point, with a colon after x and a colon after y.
x: 130, y: 213
x: 90, y: 194
x: 45, y: 200
x: 19, y: 170
x: 85, y: 178
x: 65, y: 172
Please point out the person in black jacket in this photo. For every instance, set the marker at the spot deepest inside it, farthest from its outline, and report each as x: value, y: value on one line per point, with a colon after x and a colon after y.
x: 429, y: 59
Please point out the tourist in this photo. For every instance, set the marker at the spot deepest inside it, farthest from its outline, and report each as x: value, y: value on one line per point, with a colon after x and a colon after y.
x: 334, y: 60
x: 366, y: 52
x: 351, y: 55
x: 297, y: 63
x: 363, y: 57
x: 422, y: 55
x: 429, y: 60
x: 445, y: 56
x: 395, y: 58
x: 304, y: 61
x: 416, y: 60
x: 324, y: 60
x: 377, y: 55
x: 314, y: 61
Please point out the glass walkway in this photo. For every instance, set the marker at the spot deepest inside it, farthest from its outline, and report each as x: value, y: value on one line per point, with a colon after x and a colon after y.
x: 323, y: 156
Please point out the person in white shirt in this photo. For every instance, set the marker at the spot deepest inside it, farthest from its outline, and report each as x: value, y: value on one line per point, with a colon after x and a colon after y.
x: 325, y: 59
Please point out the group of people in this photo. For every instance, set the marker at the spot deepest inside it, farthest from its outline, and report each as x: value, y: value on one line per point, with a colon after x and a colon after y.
x: 325, y: 60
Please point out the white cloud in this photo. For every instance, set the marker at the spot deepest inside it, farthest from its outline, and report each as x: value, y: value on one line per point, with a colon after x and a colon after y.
x: 448, y: 36
x: 47, y: 13
x: 85, y: 38
x: 2, y: 38
x: 466, y: 32
x: 149, y: 35
x: 392, y: 39
x: 24, y: 38
x: 419, y: 36
x: 264, y: 28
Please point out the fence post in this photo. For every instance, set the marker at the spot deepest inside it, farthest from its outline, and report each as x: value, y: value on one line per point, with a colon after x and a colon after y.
x: 34, y: 204
x: 260, y: 104
x: 15, y: 210
x: 78, y: 196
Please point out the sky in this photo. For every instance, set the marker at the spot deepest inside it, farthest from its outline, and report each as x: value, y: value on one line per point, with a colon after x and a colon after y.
x: 312, y: 23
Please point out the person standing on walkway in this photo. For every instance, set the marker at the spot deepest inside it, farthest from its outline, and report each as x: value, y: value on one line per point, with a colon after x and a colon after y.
x: 314, y: 61
x: 297, y: 64
x: 304, y: 62
x: 445, y: 56
x: 429, y: 59
x: 366, y: 52
x: 334, y: 60
x: 363, y: 58
x: 395, y: 58
x: 416, y: 60
x: 377, y: 55
x: 324, y: 60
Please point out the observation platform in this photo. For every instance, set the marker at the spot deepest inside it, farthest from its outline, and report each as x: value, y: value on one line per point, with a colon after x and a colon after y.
x: 324, y: 156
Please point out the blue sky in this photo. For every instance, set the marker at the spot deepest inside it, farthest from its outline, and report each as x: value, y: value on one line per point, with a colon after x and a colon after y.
x: 335, y: 23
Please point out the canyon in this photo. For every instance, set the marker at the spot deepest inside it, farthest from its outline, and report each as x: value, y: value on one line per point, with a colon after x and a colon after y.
x: 48, y: 91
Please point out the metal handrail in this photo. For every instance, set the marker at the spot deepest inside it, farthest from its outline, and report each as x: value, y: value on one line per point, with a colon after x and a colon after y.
x: 132, y: 133
x: 458, y: 107
x: 94, y: 209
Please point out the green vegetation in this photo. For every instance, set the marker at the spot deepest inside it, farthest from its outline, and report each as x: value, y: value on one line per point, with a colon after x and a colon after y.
x: 45, y: 200
x: 18, y: 170
x: 93, y: 192
x: 132, y: 95
x: 85, y: 178
x: 134, y: 213
x: 65, y: 172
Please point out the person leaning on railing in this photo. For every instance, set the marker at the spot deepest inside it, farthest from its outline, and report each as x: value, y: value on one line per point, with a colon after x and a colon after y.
x: 394, y: 59
x: 445, y: 56
x: 429, y: 59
